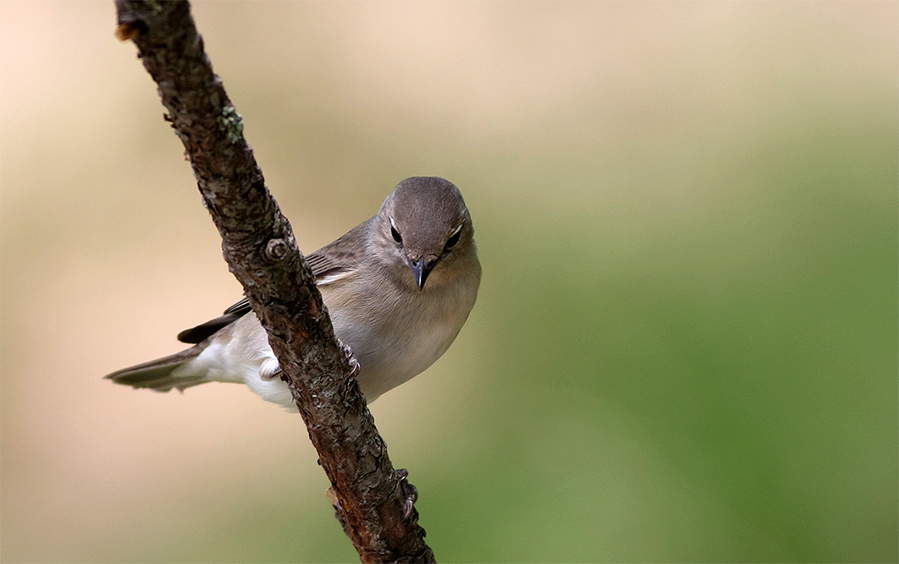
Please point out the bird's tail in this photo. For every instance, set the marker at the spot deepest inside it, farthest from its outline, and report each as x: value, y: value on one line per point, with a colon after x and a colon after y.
x: 159, y: 374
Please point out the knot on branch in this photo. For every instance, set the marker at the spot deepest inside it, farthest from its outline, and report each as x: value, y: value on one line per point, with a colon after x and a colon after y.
x: 276, y: 249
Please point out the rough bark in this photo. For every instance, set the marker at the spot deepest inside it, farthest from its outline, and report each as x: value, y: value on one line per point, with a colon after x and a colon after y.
x: 372, y: 500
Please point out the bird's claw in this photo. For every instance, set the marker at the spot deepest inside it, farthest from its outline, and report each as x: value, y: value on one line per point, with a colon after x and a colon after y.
x: 354, y: 364
x: 410, y: 492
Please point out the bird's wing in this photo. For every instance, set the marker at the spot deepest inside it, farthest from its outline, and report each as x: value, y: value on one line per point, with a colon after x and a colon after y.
x: 340, y: 258
x: 331, y: 263
x: 201, y: 332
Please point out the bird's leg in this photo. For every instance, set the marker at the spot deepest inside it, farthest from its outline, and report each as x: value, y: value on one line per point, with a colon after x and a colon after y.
x: 271, y: 370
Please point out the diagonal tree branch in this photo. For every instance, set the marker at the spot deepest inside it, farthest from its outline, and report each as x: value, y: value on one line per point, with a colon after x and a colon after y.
x: 368, y: 494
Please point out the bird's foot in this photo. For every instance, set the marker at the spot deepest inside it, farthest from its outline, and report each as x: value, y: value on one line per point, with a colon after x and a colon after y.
x: 270, y: 370
x: 348, y: 353
x: 410, y: 492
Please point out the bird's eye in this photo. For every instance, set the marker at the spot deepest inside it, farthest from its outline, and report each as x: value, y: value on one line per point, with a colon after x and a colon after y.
x: 395, y: 234
x: 451, y: 242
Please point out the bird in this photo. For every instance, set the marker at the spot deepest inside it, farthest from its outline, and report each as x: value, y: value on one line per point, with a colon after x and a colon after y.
x: 398, y: 287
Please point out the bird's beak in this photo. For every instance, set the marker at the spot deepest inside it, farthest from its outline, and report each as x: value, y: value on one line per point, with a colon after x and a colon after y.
x: 420, y: 269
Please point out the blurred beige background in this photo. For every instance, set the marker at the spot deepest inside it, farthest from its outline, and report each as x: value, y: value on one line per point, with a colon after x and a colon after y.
x: 685, y: 344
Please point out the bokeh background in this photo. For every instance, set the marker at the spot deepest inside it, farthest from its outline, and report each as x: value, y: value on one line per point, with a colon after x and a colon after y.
x: 685, y: 345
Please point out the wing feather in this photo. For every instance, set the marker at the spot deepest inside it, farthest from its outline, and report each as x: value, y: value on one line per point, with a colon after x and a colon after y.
x: 332, y: 262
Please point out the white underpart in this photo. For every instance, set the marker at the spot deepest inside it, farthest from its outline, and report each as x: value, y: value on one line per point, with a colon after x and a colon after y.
x: 390, y: 349
x: 242, y: 360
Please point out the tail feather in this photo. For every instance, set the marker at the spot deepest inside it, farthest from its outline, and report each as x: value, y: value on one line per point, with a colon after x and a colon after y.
x: 157, y: 374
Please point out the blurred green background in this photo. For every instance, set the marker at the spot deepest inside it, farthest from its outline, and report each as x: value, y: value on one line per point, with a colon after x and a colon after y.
x: 684, y: 348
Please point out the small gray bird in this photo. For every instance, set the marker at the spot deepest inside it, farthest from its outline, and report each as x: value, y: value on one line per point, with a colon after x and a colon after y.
x: 398, y: 287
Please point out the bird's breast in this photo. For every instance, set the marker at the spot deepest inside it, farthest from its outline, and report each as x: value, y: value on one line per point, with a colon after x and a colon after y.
x: 394, y: 333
